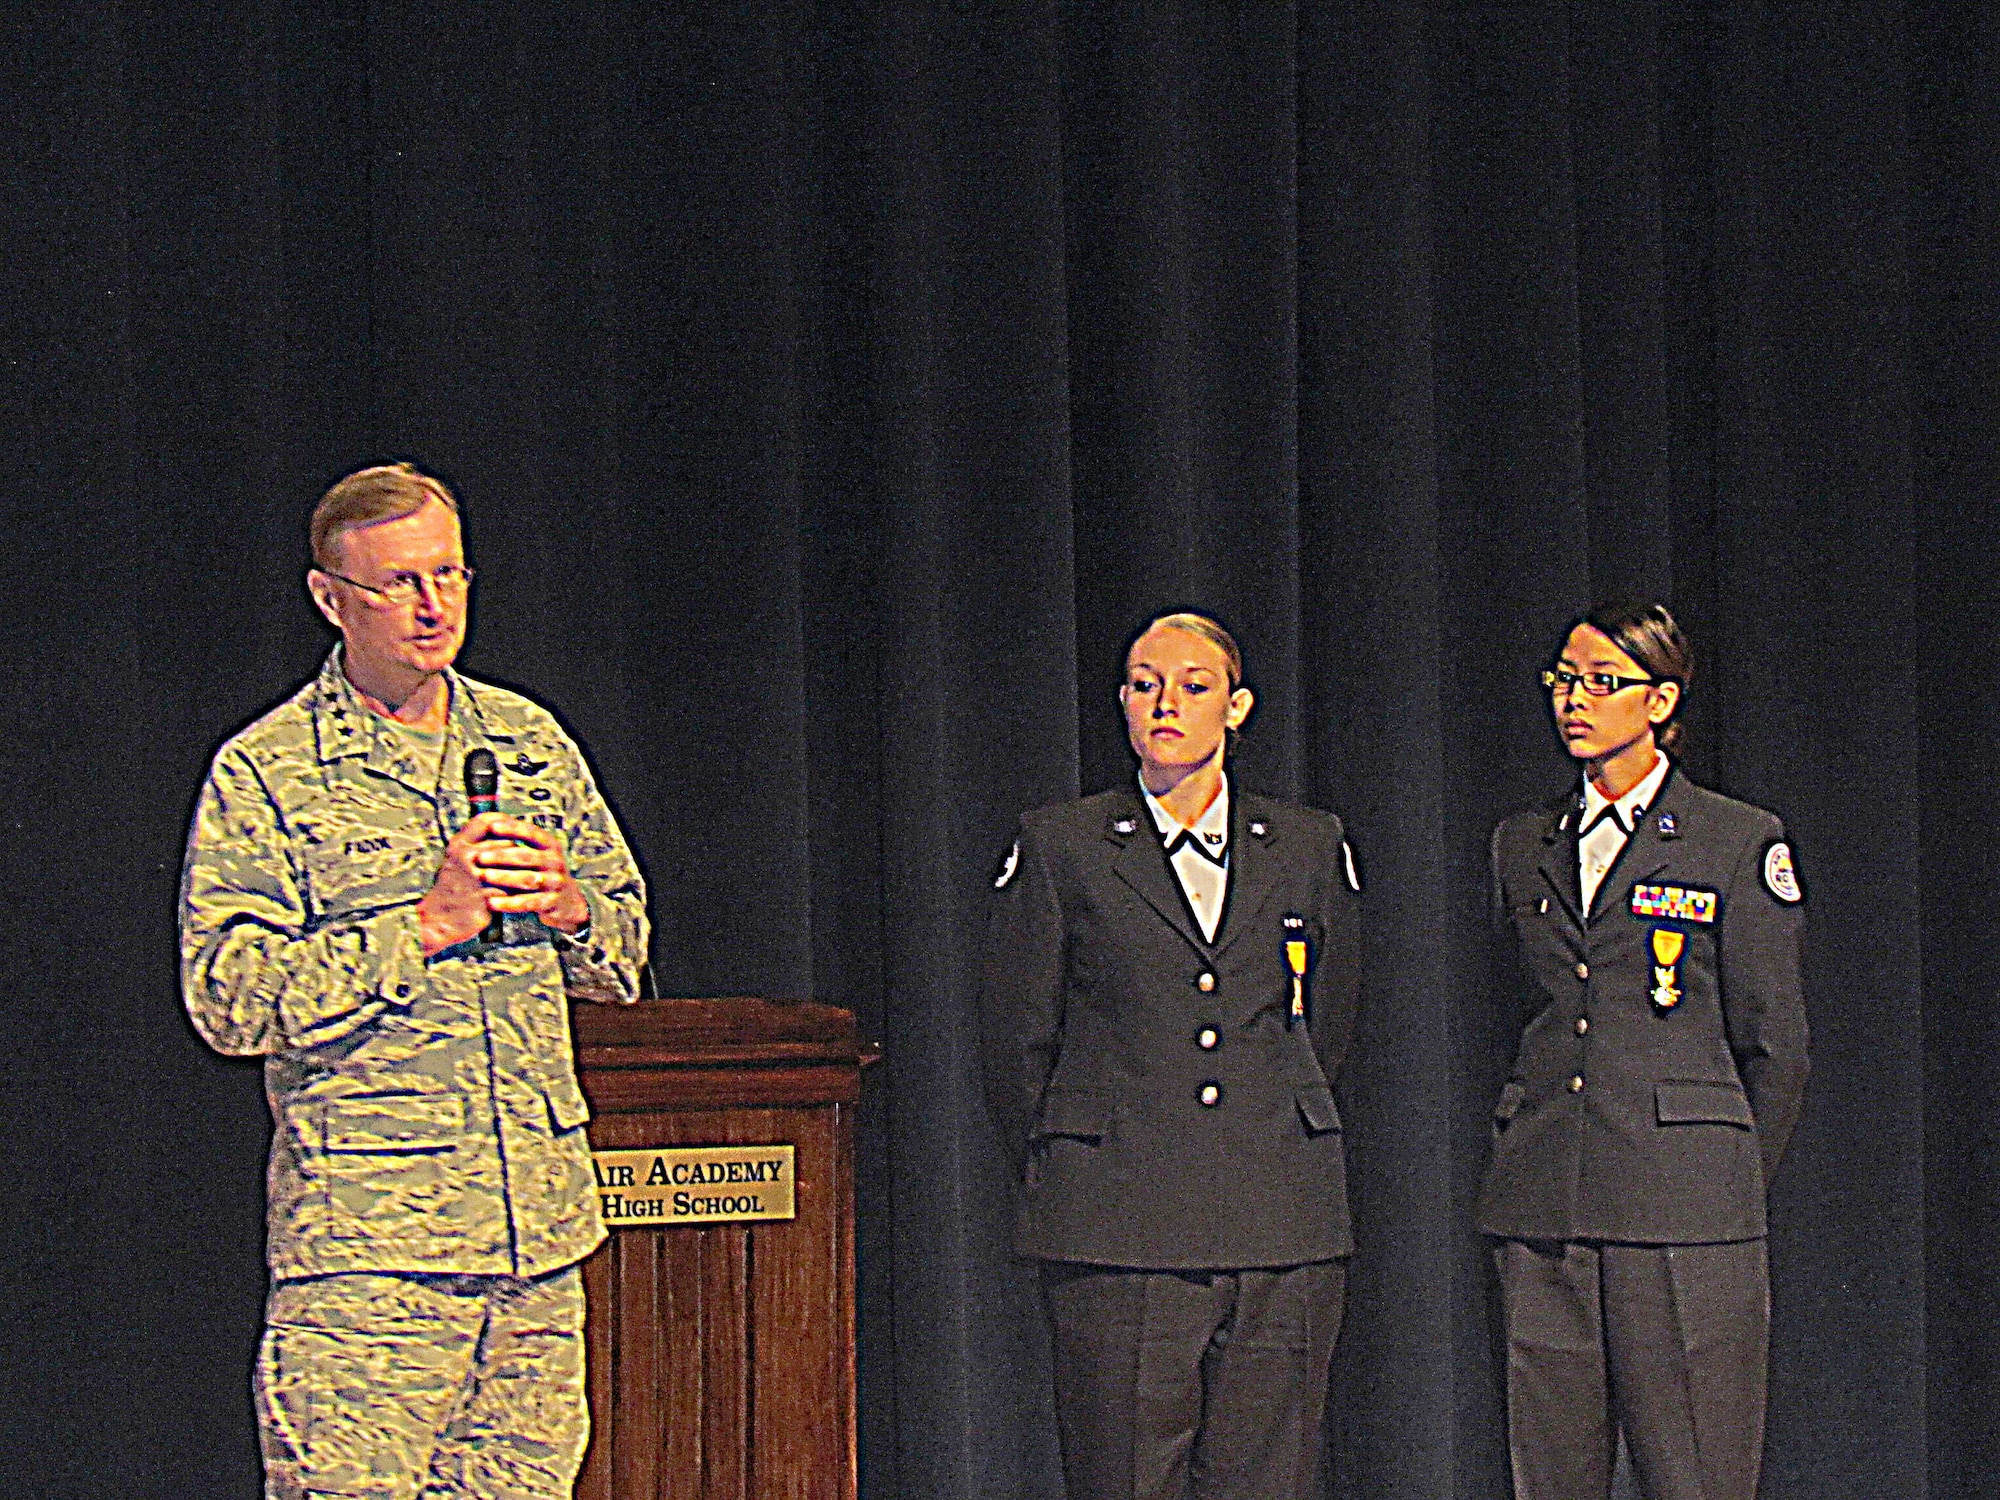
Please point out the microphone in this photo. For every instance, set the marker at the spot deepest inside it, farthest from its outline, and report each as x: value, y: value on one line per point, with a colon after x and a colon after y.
x: 482, y: 790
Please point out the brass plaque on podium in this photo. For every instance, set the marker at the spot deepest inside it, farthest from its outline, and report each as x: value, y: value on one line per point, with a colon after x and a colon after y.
x: 695, y: 1185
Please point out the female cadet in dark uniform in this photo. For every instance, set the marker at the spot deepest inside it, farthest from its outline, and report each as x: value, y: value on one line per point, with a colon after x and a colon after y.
x: 1656, y: 928
x: 1170, y: 986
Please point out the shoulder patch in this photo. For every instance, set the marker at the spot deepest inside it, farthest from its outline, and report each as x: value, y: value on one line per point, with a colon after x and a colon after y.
x: 1008, y: 866
x: 1780, y: 879
x: 1347, y: 864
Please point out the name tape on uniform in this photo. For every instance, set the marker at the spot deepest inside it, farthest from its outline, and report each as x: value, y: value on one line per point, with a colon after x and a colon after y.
x: 695, y: 1185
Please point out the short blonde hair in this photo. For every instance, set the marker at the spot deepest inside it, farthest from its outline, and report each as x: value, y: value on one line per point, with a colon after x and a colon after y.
x: 386, y: 492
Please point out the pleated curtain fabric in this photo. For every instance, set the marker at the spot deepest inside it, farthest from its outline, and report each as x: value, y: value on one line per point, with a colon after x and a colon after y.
x: 831, y: 389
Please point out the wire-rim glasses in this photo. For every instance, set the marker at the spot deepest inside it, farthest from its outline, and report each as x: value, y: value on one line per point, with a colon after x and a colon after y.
x: 449, y: 581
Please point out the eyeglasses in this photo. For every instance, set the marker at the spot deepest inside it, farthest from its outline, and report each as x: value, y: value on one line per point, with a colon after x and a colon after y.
x: 449, y: 581
x: 1598, y: 684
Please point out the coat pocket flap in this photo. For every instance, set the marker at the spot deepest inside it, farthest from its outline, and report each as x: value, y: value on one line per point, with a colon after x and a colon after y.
x: 1316, y: 1104
x: 1078, y: 1112
x: 1702, y: 1104
x: 395, y: 1122
x: 1512, y: 1097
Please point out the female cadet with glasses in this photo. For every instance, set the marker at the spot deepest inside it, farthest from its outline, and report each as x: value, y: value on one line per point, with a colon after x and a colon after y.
x: 1655, y: 927
x: 1170, y: 986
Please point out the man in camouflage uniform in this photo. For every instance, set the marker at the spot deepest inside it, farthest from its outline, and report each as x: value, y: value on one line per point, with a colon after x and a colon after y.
x: 430, y: 1187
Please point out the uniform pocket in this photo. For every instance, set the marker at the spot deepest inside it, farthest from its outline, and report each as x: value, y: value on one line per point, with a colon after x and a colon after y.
x: 379, y: 1124
x: 1702, y: 1104
x: 1084, y: 1113
x: 389, y: 1171
x: 365, y: 858
x: 1316, y: 1105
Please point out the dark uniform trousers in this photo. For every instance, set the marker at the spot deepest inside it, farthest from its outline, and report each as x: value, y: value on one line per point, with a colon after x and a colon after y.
x: 1203, y: 1383
x: 1666, y: 1341
x: 1177, y: 1140
x: 1661, y: 1068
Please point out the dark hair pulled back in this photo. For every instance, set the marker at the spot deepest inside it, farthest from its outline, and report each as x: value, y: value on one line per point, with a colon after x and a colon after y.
x: 1649, y: 634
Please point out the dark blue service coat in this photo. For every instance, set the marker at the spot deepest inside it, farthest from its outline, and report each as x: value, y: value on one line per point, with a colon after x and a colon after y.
x: 1662, y: 1059
x: 1161, y: 1112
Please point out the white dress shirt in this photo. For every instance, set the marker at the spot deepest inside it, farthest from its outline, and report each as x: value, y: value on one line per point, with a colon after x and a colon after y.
x: 1607, y: 824
x: 1199, y: 855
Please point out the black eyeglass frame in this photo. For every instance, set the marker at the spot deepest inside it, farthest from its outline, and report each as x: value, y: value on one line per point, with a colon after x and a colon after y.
x: 1559, y: 681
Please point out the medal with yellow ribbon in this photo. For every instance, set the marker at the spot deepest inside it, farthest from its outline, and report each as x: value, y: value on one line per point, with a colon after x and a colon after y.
x: 1295, y: 960
x: 1667, y: 945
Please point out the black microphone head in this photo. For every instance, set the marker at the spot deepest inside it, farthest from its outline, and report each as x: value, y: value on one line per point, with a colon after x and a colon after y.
x: 482, y: 780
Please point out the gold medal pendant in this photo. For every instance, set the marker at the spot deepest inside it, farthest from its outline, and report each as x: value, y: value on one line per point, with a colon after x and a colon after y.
x: 1667, y: 946
x: 1295, y: 960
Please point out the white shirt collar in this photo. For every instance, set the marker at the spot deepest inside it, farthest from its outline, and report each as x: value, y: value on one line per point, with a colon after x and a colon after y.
x: 1211, y: 829
x: 1632, y: 806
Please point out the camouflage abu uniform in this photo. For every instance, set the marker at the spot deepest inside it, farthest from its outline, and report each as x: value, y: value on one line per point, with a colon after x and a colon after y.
x: 426, y: 1111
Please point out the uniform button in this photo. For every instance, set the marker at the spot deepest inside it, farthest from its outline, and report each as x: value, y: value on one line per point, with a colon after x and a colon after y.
x: 1583, y: 971
x: 1207, y: 1039
x: 1211, y: 1095
x: 402, y: 992
x: 1576, y: 1084
x: 1582, y: 1025
x: 1205, y: 983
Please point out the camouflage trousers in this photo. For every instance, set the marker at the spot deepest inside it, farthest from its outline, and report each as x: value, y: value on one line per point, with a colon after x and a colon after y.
x: 423, y: 1387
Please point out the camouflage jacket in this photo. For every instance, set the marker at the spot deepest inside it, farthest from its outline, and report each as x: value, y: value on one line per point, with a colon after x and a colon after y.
x: 426, y: 1111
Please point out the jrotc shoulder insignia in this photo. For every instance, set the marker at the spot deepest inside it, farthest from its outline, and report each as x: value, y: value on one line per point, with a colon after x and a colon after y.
x: 1347, y: 864
x: 1780, y: 879
x: 1008, y: 866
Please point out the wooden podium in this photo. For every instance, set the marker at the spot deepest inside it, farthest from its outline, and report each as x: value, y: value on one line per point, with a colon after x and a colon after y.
x: 722, y: 1354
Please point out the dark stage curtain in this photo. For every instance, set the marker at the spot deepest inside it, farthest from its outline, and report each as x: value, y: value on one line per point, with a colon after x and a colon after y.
x: 831, y: 387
